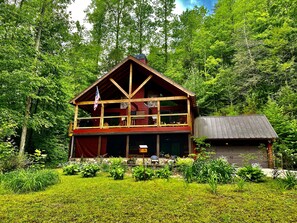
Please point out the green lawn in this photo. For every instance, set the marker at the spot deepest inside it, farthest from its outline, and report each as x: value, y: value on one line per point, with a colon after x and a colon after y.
x: 101, y: 199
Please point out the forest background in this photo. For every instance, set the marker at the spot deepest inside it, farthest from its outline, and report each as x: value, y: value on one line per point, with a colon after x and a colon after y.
x: 241, y: 59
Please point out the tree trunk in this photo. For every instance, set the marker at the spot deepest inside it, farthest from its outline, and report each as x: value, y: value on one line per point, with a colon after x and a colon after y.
x: 25, y: 126
x: 29, y: 98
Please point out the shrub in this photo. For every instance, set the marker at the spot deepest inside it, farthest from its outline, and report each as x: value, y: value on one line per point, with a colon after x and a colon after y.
x: 290, y: 180
x: 116, y: 161
x: 89, y: 170
x: 222, y: 169
x: 116, y: 168
x: 23, y: 181
x: 251, y: 173
x: 117, y: 173
x: 71, y: 169
x: 163, y: 173
x: 37, y: 159
x: 104, y: 166
x: 141, y: 173
x: 183, y: 163
x: 203, y: 169
x: 9, y: 158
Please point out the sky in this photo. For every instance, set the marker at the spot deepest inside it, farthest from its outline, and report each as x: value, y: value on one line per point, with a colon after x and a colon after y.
x: 79, y: 6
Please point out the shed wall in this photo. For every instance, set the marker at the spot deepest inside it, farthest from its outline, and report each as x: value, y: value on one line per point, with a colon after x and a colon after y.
x: 237, y: 154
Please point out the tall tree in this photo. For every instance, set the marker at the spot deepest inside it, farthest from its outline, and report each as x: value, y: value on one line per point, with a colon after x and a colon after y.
x: 109, y: 19
x: 141, y: 25
x: 164, y: 19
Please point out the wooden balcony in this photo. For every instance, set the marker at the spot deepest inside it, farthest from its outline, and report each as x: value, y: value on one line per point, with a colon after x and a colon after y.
x: 154, y: 118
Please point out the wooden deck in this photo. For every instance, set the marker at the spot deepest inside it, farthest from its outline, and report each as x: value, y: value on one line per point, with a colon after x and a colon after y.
x: 134, y: 130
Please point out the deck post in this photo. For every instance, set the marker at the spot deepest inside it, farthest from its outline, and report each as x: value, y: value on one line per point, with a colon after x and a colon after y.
x: 158, y: 146
x: 102, y: 116
x: 189, y: 121
x: 158, y: 114
x: 71, y: 147
x: 75, y: 117
x: 127, y: 146
x: 99, y: 146
x: 190, y: 144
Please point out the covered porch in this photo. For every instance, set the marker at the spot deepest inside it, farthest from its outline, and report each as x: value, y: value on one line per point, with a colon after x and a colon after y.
x: 119, y: 145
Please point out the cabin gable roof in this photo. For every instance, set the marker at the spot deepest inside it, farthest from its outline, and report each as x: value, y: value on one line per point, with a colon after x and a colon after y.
x: 120, y: 73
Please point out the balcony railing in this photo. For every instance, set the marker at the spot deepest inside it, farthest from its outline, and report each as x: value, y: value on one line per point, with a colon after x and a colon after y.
x: 159, y: 112
x: 143, y: 120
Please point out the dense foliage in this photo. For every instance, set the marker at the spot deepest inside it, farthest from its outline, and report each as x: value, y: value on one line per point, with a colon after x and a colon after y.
x: 89, y: 169
x: 241, y: 59
x: 141, y: 173
x: 24, y: 181
x: 251, y: 173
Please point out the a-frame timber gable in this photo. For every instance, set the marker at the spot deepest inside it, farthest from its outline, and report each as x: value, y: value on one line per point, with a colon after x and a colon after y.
x: 135, y: 95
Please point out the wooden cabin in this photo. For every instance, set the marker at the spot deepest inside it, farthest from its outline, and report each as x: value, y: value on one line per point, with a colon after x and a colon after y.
x: 137, y: 106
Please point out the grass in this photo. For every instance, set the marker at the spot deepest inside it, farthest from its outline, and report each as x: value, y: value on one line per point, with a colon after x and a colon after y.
x: 102, y: 199
x: 23, y: 181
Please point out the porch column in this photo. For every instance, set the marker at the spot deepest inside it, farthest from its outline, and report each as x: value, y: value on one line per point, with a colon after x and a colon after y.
x: 102, y: 116
x: 189, y: 119
x: 75, y: 117
x: 127, y: 146
x: 158, y: 114
x: 158, y: 146
x: 71, y: 147
x: 190, y: 143
x: 99, y: 145
x: 270, y: 154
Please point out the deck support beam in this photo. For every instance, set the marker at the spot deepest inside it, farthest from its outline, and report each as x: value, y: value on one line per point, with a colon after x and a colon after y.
x: 99, y: 146
x: 127, y: 145
x: 71, y: 147
x: 102, y: 116
x: 75, y: 117
x: 158, y: 146
x: 190, y: 144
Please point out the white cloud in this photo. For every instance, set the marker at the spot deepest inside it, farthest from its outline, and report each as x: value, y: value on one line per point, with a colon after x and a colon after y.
x: 77, y: 9
x: 179, y: 7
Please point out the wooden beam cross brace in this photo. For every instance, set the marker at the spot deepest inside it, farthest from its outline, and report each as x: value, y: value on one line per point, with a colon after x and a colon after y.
x: 140, y: 86
x: 119, y: 87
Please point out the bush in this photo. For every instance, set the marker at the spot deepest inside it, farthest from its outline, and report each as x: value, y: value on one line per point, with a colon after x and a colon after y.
x: 251, y: 173
x: 203, y: 169
x: 141, y: 173
x: 117, y: 173
x: 89, y: 170
x: 104, y: 166
x: 290, y: 180
x: 71, y: 169
x: 37, y: 159
x: 9, y: 158
x: 222, y: 169
x: 116, y: 161
x: 183, y: 163
x: 23, y: 181
x: 163, y: 173
x: 116, y: 168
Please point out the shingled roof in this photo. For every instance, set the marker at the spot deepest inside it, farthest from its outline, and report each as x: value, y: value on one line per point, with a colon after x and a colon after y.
x: 234, y: 127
